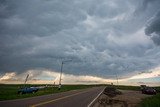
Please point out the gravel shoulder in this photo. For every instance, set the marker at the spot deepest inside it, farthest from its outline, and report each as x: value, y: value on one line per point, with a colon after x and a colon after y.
x: 128, y: 98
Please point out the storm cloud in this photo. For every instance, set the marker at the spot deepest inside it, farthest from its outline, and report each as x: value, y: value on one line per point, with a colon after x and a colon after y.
x: 153, y: 28
x: 101, y: 38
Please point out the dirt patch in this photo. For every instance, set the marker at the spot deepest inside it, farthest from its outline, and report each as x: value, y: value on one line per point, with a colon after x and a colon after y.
x: 131, y: 97
x: 127, y: 99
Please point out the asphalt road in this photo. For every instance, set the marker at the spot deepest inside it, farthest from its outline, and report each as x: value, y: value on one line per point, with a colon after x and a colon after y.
x: 75, y: 98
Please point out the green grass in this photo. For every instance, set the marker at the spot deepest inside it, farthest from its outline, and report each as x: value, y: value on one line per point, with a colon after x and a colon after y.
x: 157, y: 88
x: 8, y: 92
x: 135, y: 88
x: 153, y: 101
x: 122, y: 87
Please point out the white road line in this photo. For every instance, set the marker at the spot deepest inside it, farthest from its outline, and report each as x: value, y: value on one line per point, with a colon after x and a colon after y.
x: 96, y: 98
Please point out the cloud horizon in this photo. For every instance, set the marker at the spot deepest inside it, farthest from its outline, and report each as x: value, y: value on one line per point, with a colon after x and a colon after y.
x: 103, y: 39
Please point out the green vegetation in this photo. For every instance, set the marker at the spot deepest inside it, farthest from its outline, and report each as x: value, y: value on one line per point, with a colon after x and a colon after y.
x: 136, y: 88
x: 122, y: 87
x: 153, y: 101
x: 157, y: 88
x: 8, y: 92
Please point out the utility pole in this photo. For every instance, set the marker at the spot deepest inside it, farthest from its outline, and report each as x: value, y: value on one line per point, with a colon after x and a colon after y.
x: 117, y: 79
x: 60, y: 79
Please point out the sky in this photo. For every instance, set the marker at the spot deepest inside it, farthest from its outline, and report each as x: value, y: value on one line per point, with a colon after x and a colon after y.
x: 101, y: 40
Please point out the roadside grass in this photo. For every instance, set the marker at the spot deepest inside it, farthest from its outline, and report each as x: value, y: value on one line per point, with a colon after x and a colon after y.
x: 135, y: 88
x: 153, y: 101
x: 123, y: 87
x: 8, y: 92
x: 157, y: 88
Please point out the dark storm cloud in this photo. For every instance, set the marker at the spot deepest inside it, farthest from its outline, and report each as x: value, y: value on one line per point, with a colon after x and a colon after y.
x: 153, y: 28
x: 101, y: 38
x: 36, y: 17
x: 143, y: 5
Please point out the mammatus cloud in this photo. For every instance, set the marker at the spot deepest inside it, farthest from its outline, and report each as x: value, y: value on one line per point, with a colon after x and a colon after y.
x: 102, y: 38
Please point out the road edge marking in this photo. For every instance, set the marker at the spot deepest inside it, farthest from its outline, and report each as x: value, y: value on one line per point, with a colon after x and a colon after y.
x: 46, y: 102
x: 89, y: 105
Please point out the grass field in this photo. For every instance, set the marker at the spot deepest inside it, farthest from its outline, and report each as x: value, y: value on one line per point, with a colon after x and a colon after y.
x: 8, y: 92
x: 153, y: 101
x: 122, y: 87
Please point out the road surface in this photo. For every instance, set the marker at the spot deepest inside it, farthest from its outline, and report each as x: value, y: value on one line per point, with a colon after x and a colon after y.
x: 75, y: 98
